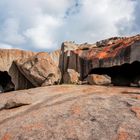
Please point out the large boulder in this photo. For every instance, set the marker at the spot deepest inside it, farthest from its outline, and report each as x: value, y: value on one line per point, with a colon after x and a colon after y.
x: 95, y: 79
x: 71, y: 77
x: 40, y: 70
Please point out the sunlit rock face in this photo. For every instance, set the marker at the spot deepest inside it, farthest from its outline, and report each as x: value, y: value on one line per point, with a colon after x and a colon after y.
x: 108, y: 53
x: 25, y: 69
x: 40, y: 69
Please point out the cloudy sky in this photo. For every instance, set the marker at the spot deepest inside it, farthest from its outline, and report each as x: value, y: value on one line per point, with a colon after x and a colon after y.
x: 44, y: 24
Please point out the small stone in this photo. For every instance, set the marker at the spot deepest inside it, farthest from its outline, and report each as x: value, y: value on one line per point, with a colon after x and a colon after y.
x: 13, y: 104
x: 71, y: 77
x: 95, y: 79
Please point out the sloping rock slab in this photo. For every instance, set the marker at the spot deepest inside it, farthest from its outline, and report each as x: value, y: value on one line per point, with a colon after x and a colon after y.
x: 74, y: 113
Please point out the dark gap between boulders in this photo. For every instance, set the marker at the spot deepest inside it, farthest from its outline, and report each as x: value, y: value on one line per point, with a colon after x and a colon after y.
x: 123, y: 75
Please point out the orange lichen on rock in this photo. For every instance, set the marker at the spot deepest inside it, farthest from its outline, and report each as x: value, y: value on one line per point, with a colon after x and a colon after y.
x: 123, y: 135
x: 6, y: 136
x: 30, y: 127
x: 110, y: 52
x: 102, y: 55
x: 76, y: 109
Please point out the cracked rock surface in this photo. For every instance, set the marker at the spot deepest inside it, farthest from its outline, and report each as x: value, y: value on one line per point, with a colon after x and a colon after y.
x: 72, y: 112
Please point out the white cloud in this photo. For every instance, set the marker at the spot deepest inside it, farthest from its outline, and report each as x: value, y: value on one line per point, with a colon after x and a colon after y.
x: 44, y: 24
x: 10, y: 32
x: 99, y: 19
x: 41, y: 34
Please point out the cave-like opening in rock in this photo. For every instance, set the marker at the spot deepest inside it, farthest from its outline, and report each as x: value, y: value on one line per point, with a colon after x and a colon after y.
x: 123, y: 75
x: 6, y: 84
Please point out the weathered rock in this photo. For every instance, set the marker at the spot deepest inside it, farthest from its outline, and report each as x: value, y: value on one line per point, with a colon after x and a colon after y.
x: 71, y: 77
x: 96, y: 79
x: 55, y: 56
x: 13, y: 104
x: 40, y: 70
x: 9, y: 69
x: 104, y: 54
x: 73, y: 113
x: 68, y: 60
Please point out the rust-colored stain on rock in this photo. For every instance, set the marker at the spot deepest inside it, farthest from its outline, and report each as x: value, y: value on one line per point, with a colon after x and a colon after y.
x: 123, y: 136
x: 136, y: 110
x: 30, y: 127
x: 6, y: 136
x: 76, y: 109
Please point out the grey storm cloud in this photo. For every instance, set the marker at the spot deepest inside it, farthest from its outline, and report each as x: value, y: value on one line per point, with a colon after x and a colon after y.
x: 45, y: 24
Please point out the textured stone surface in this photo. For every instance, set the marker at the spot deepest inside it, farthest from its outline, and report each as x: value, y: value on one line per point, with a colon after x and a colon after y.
x: 73, y: 113
x: 16, y: 100
x: 40, y: 70
x: 55, y: 56
x: 71, y: 77
x: 95, y: 79
x: 106, y: 53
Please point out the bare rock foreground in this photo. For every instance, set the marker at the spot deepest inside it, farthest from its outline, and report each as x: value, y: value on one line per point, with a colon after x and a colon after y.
x: 67, y: 112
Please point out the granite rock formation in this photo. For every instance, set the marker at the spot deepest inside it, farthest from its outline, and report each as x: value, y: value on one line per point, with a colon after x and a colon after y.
x: 16, y: 72
x: 72, y: 112
x: 10, y: 76
x: 116, y: 57
x: 104, y: 57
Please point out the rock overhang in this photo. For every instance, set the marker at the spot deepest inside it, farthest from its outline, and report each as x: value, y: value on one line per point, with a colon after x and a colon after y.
x: 110, y: 52
x: 116, y: 51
